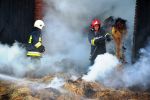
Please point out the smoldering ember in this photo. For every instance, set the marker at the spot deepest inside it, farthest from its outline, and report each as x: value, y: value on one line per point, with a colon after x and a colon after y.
x: 74, y: 50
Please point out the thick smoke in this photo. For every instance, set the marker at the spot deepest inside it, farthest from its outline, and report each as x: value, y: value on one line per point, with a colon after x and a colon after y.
x: 13, y: 60
x: 138, y: 74
x: 66, y: 21
x: 103, y: 65
x: 106, y: 71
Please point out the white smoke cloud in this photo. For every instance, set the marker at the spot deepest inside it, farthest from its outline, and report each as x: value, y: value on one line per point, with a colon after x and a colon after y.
x: 103, y: 66
x: 56, y: 83
x: 105, y: 70
x: 13, y: 60
x: 139, y: 73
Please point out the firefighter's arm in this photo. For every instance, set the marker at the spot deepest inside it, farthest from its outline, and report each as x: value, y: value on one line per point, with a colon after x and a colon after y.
x: 108, y: 37
x: 97, y: 40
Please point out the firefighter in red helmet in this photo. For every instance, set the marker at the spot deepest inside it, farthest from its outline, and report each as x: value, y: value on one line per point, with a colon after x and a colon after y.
x: 97, y: 38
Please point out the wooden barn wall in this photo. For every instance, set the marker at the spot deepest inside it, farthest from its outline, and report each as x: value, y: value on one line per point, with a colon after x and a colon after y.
x: 16, y: 20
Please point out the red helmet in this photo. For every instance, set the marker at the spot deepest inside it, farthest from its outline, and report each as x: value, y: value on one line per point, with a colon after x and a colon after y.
x: 95, y: 22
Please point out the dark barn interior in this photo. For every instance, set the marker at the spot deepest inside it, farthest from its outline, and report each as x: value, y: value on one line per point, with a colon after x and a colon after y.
x: 16, y: 20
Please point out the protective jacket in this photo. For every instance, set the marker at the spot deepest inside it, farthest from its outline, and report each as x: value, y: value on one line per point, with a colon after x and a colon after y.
x: 35, y: 47
x: 97, y: 41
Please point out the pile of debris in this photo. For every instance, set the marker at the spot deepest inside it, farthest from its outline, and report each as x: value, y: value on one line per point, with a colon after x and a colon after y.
x: 98, y: 91
x: 71, y: 90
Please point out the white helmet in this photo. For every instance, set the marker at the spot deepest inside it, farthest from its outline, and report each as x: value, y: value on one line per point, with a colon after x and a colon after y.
x: 39, y: 24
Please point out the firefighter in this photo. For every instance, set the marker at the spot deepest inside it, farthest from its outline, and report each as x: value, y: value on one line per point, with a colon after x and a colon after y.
x: 97, y: 37
x: 35, y: 47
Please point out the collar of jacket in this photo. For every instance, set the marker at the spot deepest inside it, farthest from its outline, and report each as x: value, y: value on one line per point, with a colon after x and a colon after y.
x: 36, y: 29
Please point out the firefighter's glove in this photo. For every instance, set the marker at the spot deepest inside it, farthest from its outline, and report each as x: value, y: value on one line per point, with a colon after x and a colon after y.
x: 41, y: 48
x: 108, y: 37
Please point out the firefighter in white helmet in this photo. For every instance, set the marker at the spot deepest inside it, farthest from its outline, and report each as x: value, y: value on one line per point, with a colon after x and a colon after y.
x: 35, y: 47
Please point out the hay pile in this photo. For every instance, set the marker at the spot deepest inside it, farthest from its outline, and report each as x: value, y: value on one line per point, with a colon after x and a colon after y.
x: 97, y: 91
x: 72, y: 90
